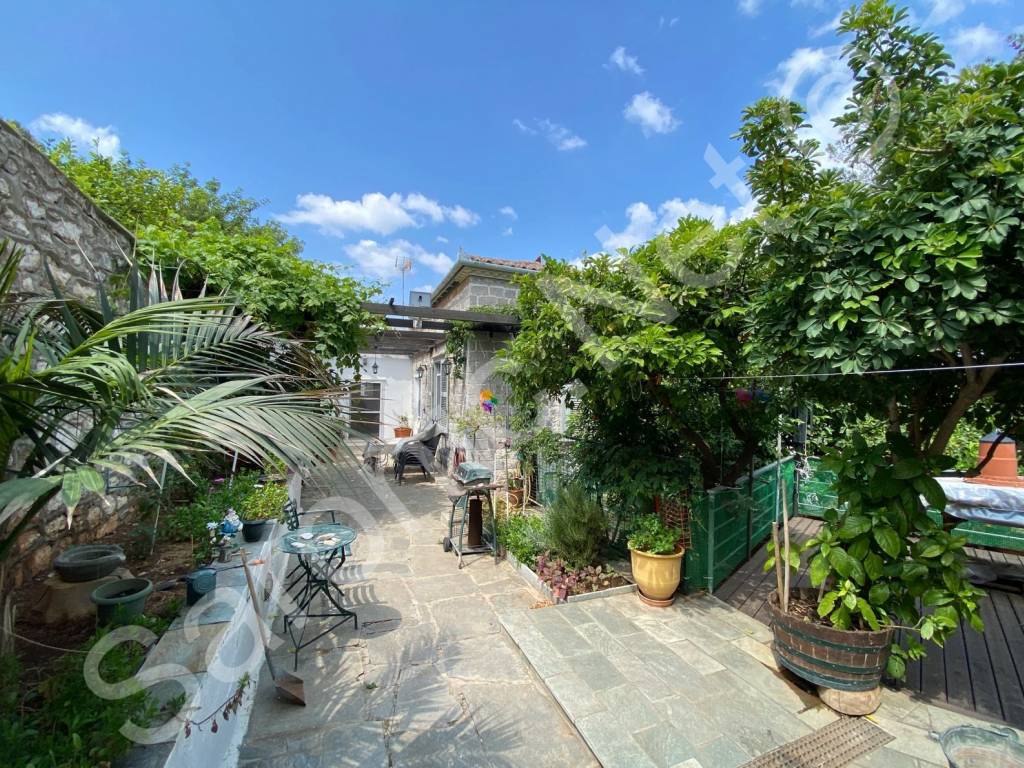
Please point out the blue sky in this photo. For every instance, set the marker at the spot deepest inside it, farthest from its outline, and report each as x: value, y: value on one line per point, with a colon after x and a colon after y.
x: 381, y: 132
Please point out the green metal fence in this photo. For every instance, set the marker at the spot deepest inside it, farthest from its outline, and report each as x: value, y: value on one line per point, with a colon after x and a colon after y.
x: 727, y: 525
x: 816, y: 496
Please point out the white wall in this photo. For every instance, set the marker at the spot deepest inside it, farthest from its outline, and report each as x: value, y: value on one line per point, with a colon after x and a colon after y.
x: 398, y: 389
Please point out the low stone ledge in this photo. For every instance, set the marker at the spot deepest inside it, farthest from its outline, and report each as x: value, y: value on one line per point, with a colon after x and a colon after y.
x: 203, y: 655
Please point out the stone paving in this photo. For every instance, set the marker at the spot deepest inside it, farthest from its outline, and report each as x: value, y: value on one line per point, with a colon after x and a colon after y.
x: 692, y: 686
x: 429, y: 678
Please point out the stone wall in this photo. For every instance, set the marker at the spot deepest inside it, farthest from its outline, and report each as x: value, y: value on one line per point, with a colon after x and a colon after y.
x: 481, y: 290
x: 50, y: 218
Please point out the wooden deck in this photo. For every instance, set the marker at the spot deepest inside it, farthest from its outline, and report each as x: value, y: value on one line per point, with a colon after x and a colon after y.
x: 980, y: 674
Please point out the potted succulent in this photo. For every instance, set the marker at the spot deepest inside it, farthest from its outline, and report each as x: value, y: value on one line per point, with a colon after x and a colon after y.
x: 656, y: 555
x: 403, y: 429
x: 880, y: 562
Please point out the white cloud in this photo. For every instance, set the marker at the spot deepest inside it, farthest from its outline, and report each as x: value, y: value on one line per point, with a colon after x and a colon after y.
x: 947, y: 10
x: 374, y: 212
x: 83, y: 133
x: 622, y: 60
x: 644, y: 223
x: 828, y: 27
x: 461, y: 217
x: 650, y: 114
x: 509, y: 211
x: 944, y: 10
x: 507, y: 232
x: 750, y: 7
x: 972, y: 44
x: 523, y: 127
x: 563, y: 139
x: 442, y: 239
x: 386, y: 259
x: 819, y: 79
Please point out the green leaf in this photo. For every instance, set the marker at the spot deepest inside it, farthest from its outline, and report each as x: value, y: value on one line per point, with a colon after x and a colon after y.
x: 819, y: 570
x: 853, y: 526
x: 931, y: 490
x: 896, y: 667
x: 878, y: 594
x: 828, y: 602
x: 888, y: 540
x: 868, y: 613
x: 873, y: 565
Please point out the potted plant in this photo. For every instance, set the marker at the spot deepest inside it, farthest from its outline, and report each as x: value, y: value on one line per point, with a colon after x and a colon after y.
x: 262, y: 505
x: 656, y: 555
x: 516, y: 488
x: 403, y: 429
x: 880, y: 562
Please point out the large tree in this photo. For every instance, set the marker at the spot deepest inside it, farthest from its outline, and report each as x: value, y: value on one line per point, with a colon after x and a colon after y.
x: 910, y: 254
x: 216, y: 240
x: 636, y: 339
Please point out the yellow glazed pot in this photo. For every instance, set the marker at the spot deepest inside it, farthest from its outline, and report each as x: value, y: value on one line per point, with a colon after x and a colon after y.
x: 657, y: 576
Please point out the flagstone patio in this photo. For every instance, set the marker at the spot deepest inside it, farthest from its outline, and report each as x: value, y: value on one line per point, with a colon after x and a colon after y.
x: 429, y: 678
x: 693, y: 686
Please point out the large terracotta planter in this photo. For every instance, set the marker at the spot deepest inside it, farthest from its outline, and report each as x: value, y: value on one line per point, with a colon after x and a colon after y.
x: 657, y: 576
x: 839, y: 659
x: 403, y: 431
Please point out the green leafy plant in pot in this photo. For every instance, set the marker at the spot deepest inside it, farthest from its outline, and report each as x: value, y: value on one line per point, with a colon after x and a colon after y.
x: 879, y: 563
x: 656, y: 555
x: 262, y: 505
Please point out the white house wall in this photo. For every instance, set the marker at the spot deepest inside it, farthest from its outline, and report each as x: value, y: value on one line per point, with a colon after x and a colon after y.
x: 398, y: 388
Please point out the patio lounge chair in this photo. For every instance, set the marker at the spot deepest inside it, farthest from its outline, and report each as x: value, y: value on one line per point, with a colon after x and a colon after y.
x: 418, y: 450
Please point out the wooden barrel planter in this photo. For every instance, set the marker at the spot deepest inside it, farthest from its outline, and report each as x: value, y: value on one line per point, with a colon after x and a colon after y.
x: 845, y: 660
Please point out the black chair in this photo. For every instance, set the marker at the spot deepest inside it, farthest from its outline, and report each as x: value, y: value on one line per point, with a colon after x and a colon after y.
x: 418, y: 451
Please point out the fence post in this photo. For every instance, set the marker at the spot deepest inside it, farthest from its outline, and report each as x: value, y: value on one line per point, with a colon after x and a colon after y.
x: 712, y: 505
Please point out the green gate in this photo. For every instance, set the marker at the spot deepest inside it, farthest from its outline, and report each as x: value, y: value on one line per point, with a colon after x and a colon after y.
x: 727, y: 525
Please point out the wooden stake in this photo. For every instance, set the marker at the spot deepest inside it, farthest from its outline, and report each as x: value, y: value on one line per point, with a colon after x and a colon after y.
x: 785, y: 537
x: 778, y: 563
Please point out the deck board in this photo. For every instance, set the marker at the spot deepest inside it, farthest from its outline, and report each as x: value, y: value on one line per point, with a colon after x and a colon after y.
x: 981, y: 674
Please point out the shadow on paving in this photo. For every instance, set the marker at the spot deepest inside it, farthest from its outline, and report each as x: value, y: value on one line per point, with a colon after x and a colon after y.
x: 428, y: 679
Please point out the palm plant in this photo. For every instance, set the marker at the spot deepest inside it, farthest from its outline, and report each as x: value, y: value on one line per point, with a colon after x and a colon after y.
x: 86, y: 392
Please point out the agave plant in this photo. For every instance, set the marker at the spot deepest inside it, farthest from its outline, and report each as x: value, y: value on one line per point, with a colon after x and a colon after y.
x: 86, y: 392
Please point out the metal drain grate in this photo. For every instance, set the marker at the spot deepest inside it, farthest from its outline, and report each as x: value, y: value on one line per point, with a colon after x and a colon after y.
x: 833, y: 746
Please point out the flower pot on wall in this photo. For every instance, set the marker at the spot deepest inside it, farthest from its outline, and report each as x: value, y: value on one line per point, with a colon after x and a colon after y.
x: 657, y: 576
x: 252, y: 530
x: 121, y: 600
x: 403, y: 431
x: 847, y: 661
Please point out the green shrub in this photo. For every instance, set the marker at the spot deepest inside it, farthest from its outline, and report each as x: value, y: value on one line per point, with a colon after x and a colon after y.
x: 576, y: 525
x: 523, y: 536
x: 61, y: 723
x: 264, y: 502
x: 653, y: 536
x: 213, y: 500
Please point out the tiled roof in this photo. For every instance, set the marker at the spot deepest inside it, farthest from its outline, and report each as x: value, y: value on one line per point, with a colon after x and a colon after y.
x: 534, y: 265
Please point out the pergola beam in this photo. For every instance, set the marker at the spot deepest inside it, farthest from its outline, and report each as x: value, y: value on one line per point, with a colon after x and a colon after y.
x: 436, y: 313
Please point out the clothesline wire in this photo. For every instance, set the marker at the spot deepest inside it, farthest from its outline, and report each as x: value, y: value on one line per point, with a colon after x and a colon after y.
x: 883, y: 372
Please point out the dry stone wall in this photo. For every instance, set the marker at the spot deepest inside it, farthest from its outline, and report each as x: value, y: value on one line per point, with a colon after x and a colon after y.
x: 50, y: 218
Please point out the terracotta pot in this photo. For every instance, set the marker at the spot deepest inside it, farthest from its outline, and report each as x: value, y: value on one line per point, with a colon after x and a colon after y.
x: 1002, y: 467
x: 842, y: 659
x: 403, y: 431
x: 657, y: 576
